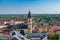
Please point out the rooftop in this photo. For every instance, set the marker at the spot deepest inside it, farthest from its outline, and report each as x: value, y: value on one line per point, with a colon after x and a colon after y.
x: 18, y: 26
x: 36, y: 35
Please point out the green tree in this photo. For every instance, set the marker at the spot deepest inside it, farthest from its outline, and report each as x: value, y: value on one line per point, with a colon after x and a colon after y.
x: 47, y: 19
x: 54, y: 36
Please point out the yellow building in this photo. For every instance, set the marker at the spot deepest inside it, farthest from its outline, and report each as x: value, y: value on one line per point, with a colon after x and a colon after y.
x: 29, y: 22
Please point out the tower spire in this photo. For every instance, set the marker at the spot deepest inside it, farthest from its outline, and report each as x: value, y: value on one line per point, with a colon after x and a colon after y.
x: 29, y: 22
x: 29, y: 14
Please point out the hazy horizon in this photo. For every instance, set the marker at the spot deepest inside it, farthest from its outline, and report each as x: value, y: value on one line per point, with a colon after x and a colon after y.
x: 35, y: 6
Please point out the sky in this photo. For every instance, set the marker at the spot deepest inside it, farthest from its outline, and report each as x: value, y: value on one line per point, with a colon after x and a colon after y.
x: 35, y: 6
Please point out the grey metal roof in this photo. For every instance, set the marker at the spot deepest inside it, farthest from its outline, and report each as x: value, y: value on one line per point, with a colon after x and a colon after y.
x: 18, y: 26
x: 36, y: 35
x: 18, y: 36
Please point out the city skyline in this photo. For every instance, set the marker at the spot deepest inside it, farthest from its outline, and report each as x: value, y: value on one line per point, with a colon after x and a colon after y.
x: 35, y: 6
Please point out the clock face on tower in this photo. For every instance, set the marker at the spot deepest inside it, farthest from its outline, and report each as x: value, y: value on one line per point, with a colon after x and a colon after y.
x: 29, y: 20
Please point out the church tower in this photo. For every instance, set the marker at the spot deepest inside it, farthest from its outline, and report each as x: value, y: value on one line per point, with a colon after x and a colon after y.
x: 29, y: 22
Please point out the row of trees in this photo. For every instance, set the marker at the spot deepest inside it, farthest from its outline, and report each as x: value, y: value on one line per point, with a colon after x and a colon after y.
x: 54, y: 36
x: 48, y: 19
x: 7, y: 18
